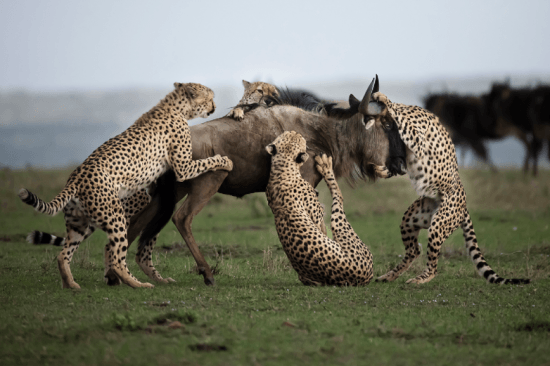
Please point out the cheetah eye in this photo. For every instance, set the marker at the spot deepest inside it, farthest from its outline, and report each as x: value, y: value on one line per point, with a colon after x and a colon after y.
x: 260, y: 91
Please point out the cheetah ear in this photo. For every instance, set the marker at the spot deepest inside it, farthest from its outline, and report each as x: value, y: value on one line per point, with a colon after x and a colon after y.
x: 271, y: 149
x: 190, y: 90
x: 246, y: 84
x: 177, y: 85
x: 302, y: 158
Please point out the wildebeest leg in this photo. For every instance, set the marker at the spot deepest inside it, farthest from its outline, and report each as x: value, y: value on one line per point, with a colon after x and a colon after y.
x: 528, y: 149
x: 536, y: 147
x: 418, y: 216
x: 199, y: 191
x: 479, y: 147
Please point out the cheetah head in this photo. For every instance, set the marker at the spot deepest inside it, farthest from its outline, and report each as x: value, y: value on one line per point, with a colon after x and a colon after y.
x: 289, y: 147
x: 200, y: 97
x: 257, y: 92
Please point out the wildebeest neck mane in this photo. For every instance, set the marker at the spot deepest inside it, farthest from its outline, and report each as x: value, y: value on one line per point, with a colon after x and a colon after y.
x: 350, y: 145
x: 300, y: 98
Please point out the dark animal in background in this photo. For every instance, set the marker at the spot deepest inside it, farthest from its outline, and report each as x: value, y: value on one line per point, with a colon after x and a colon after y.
x: 467, y: 120
x: 510, y: 110
x: 539, y: 112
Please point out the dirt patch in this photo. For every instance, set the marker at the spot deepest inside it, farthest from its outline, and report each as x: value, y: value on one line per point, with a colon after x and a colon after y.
x: 207, y: 347
x: 534, y: 327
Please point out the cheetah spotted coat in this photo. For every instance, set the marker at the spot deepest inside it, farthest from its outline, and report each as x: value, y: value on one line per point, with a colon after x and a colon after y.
x: 433, y: 170
x: 344, y: 261
x: 108, y: 187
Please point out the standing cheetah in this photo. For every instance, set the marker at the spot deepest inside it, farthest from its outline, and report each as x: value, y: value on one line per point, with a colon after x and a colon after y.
x: 433, y: 170
x: 344, y: 261
x: 96, y: 193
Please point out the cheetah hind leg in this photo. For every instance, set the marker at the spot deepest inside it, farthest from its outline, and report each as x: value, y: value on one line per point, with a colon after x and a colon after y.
x: 418, y: 216
x: 145, y: 262
x: 109, y: 276
x: 72, y: 242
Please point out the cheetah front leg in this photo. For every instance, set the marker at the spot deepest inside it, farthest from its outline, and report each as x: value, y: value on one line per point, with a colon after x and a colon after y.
x: 193, y: 168
x: 418, y: 216
x: 133, y: 205
x: 236, y: 113
x: 144, y: 259
x: 342, y: 231
x: 113, y: 222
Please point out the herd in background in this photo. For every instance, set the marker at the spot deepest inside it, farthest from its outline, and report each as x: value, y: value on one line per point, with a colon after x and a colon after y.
x: 504, y: 111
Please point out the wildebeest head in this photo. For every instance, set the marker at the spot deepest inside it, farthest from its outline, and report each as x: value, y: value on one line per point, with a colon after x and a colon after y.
x: 375, y: 117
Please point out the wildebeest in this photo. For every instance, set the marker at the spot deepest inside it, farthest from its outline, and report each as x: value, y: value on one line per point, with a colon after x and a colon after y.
x: 356, y: 149
x: 517, y: 110
x: 539, y: 113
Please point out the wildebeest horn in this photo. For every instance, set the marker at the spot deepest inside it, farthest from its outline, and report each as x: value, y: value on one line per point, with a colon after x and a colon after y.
x: 376, y: 88
x: 366, y: 107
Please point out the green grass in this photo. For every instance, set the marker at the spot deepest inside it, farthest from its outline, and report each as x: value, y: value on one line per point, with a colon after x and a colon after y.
x: 259, y: 313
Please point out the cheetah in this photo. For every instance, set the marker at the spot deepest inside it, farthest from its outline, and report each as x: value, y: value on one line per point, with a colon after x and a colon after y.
x: 254, y: 93
x: 319, y: 260
x: 433, y: 170
x: 109, y: 185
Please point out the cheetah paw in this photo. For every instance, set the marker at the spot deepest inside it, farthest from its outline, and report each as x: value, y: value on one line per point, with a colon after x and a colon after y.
x: 388, y: 277
x: 167, y: 280
x: 236, y: 113
x: 146, y: 285
x: 223, y: 162
x: 324, y: 164
x: 381, y: 171
x: 379, y: 97
x: 421, y: 279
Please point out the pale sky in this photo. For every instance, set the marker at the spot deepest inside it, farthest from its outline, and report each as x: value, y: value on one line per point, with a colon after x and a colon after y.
x: 81, y: 45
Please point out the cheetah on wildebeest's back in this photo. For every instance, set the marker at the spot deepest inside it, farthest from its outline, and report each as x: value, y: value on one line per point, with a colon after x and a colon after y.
x: 433, y: 170
x: 96, y: 193
x: 344, y: 260
x: 254, y: 94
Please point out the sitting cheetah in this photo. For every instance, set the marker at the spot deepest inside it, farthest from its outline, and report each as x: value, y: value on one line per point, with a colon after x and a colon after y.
x: 344, y: 261
x: 254, y: 93
x: 111, y: 180
x: 433, y: 170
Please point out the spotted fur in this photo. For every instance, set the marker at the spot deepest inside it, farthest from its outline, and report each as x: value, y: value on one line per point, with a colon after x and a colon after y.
x: 441, y: 208
x: 319, y: 260
x: 254, y: 94
x: 109, y: 186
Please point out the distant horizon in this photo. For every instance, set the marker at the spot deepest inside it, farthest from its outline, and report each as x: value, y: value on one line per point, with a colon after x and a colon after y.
x: 525, y: 78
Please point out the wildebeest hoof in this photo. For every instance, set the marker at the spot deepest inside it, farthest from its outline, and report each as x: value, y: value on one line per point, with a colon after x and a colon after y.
x: 209, y: 281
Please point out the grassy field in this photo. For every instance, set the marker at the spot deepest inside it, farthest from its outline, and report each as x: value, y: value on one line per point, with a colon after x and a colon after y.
x: 259, y: 313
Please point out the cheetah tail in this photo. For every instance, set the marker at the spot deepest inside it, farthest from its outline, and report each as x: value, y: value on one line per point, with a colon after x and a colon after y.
x: 39, y: 238
x: 50, y: 208
x: 482, y: 266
